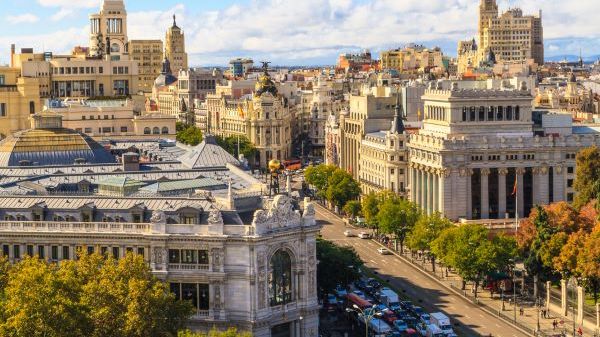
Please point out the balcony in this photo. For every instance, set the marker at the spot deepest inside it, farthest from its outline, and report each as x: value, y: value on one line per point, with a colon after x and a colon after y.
x: 188, y: 266
x: 79, y: 227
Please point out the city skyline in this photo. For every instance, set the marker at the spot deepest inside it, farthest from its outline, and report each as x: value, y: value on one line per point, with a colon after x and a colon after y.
x: 302, y: 33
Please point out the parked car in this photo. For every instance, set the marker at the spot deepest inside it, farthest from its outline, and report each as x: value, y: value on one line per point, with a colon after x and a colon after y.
x: 364, y: 235
x: 406, y: 305
x: 331, y: 302
x: 425, y: 318
x: 359, y: 293
x: 421, y: 329
x: 383, y: 251
x: 410, y: 332
x: 374, y: 283
x: 417, y: 311
x: 360, y: 284
x: 400, y: 325
x: 349, y: 233
x: 340, y: 291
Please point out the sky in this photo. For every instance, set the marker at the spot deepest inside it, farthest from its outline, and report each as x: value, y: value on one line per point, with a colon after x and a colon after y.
x: 293, y: 32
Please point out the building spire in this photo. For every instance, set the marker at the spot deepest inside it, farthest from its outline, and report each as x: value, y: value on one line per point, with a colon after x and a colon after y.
x: 174, y: 21
x: 398, y: 124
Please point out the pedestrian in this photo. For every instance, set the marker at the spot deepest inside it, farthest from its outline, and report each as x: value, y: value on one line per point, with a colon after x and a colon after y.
x: 521, y: 311
x: 544, y: 313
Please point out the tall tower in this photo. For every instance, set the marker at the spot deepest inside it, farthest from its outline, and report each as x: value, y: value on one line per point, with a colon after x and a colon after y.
x: 488, y: 9
x: 175, y: 48
x: 108, y: 30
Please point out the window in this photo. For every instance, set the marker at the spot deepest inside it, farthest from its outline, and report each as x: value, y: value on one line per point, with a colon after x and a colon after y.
x: 391, y: 171
x: 31, y: 107
x: 464, y: 114
x: 570, y: 169
x: 140, y: 251
x: 100, y: 70
x: 90, y: 250
x: 165, y: 130
x: 491, y: 113
x: 115, y: 252
x: 2, y: 80
x: 41, y: 252
x: 500, y: 113
x: 156, y: 130
x: 5, y: 250
x: 174, y: 256
x: 2, y: 109
x: 280, y: 278
x: 123, y: 129
x: 66, y: 254
x: 30, y: 250
x: 146, y: 131
x: 16, y: 252
x: 481, y: 113
x: 472, y: 114
x: 509, y: 113
x: 517, y: 113
x: 569, y: 182
x: 54, y: 253
x: 570, y: 197
x: 114, y: 48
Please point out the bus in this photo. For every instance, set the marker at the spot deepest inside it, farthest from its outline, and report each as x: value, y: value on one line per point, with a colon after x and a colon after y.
x: 360, y: 302
x: 292, y: 164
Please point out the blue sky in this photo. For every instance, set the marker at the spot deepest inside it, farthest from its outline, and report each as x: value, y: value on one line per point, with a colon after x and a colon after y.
x: 290, y: 32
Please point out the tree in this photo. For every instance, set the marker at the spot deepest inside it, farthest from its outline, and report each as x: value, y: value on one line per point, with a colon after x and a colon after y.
x: 566, y: 261
x: 370, y: 207
x: 588, y: 261
x: 93, y: 296
x: 352, y: 208
x: 190, y: 135
x: 231, y: 332
x: 341, y: 188
x: 230, y: 144
x: 587, y: 176
x: 337, y: 265
x: 425, y: 231
x: 397, y: 216
x: 468, y: 250
x: 318, y: 176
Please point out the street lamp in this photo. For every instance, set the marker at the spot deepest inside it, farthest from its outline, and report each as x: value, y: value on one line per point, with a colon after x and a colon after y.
x: 366, y: 315
x: 511, y: 261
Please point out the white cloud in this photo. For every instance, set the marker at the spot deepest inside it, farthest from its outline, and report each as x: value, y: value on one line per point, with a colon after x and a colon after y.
x: 22, y: 18
x: 70, y: 3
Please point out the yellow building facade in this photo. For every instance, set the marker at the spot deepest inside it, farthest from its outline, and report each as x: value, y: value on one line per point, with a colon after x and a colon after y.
x: 19, y: 98
x: 412, y: 59
x: 175, y: 48
x: 149, y: 55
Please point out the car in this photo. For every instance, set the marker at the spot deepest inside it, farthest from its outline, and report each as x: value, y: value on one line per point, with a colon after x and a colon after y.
x: 410, y: 332
x: 340, y: 291
x: 400, y: 325
x: 374, y: 283
x: 410, y: 320
x: 417, y: 311
x: 331, y: 302
x: 406, y: 305
x: 425, y: 319
x: 364, y: 235
x: 421, y: 329
x: 452, y: 334
x: 348, y: 233
x: 383, y: 251
x: 359, y: 293
x: 360, y: 284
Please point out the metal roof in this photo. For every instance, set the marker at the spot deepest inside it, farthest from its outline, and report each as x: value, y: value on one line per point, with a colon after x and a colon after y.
x: 207, y: 154
x: 201, y: 183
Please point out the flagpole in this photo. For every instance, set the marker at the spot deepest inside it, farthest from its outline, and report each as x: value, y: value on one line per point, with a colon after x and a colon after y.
x: 516, y: 206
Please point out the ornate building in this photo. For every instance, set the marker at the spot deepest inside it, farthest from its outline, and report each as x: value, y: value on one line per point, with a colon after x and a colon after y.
x: 264, y: 118
x: 175, y: 48
x: 149, y: 56
x: 477, y: 145
x: 511, y: 37
x: 19, y: 97
x: 108, y: 30
x: 413, y: 59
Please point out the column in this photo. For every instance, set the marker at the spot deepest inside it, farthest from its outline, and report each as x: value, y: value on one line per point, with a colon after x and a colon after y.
x: 485, y: 193
x: 559, y: 184
x: 441, y: 191
x: 422, y: 189
x: 467, y: 173
x: 412, y: 184
x: 502, y: 172
x: 436, y: 192
x: 429, y: 192
x: 543, y: 188
x: 520, y: 207
x: 563, y: 298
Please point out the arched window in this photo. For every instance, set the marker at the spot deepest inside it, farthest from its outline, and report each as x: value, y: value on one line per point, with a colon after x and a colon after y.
x: 146, y: 131
x: 156, y: 130
x: 165, y: 130
x: 280, y: 278
x: 114, y: 48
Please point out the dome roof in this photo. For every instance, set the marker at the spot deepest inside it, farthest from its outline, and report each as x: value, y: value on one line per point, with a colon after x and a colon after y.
x: 53, y: 146
x: 166, y: 77
x: 265, y: 83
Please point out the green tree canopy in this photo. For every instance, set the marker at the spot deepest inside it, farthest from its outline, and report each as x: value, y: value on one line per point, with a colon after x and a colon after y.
x: 341, y: 188
x: 318, y: 176
x: 587, y: 176
x: 370, y: 206
x: 190, y: 135
x: 334, y: 262
x: 352, y: 208
x: 426, y: 230
x: 397, y: 216
x: 93, y: 296
x: 230, y: 144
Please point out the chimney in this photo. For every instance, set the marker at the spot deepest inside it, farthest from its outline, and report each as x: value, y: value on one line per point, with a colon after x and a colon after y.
x: 12, y: 55
x: 131, y: 161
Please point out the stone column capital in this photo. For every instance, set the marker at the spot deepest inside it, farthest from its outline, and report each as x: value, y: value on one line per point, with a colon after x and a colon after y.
x: 503, y: 171
x: 520, y: 170
x: 558, y: 169
x: 485, y: 171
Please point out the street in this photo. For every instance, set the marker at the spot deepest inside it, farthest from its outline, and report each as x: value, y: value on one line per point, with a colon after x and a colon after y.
x: 421, y: 289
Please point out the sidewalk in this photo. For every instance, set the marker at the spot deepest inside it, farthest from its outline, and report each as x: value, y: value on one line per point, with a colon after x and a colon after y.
x: 527, y: 320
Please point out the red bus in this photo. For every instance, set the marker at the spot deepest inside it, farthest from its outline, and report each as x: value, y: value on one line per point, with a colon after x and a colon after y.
x: 292, y: 164
x: 360, y: 302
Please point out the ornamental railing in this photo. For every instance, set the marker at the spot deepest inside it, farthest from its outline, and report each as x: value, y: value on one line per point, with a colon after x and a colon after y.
x: 63, y: 226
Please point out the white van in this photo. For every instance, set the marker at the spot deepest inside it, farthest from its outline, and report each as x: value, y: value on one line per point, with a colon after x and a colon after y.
x: 434, y: 331
x: 441, y: 321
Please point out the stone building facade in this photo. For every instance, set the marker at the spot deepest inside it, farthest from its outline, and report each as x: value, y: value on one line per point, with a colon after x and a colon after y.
x: 19, y: 98
x: 149, y: 56
x: 175, y: 48
x: 478, y: 146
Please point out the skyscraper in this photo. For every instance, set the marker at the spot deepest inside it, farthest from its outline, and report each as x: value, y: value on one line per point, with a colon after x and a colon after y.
x: 175, y: 48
